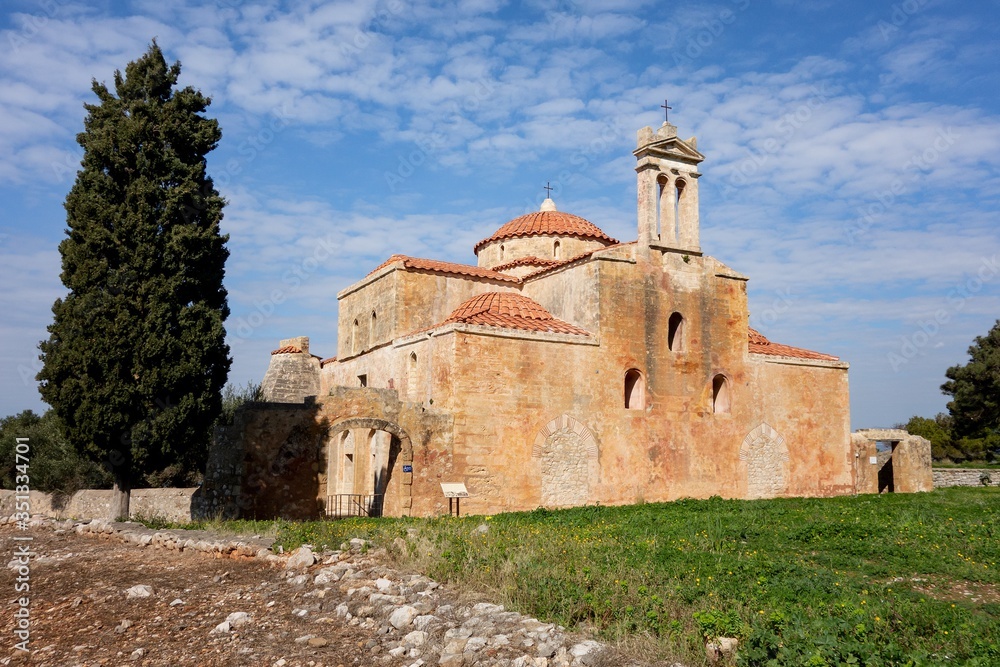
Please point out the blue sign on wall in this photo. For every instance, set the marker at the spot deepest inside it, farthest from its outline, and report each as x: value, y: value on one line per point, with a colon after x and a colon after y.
x: 407, y: 468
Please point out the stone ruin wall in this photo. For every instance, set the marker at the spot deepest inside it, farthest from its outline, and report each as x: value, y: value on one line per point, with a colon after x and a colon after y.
x: 910, y: 460
x: 964, y: 476
x: 170, y: 504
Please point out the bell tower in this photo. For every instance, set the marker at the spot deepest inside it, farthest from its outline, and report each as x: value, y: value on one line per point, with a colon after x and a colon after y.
x: 667, y: 175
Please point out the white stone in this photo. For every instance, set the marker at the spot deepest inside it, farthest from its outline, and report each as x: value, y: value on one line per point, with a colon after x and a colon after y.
x: 327, y: 575
x: 403, y: 617
x: 221, y: 629
x: 416, y: 638
x: 422, y: 622
x: 237, y: 619
x: 487, y: 608
x: 139, y: 591
x: 585, y: 648
x: 301, y: 558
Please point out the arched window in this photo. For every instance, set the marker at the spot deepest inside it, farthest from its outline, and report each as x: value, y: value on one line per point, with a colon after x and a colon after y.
x: 675, y: 333
x: 371, y: 332
x: 502, y: 253
x: 635, y: 390
x: 411, y: 377
x: 355, y: 337
x: 679, y: 185
x: 720, y: 395
x: 664, y: 210
x: 556, y: 250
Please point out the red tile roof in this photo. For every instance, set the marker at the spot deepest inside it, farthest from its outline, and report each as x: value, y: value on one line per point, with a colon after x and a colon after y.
x: 553, y: 267
x: 287, y: 349
x: 552, y: 223
x: 759, y: 344
x: 510, y: 311
x: 328, y: 360
x: 528, y: 261
x: 448, y: 268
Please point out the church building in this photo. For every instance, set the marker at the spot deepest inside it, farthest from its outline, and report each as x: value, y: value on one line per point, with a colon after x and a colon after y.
x: 564, y: 367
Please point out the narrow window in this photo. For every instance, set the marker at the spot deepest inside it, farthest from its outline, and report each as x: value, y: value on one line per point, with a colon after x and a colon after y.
x: 634, y: 390
x: 371, y: 332
x: 411, y: 377
x: 675, y: 333
x: 665, y: 206
x: 720, y: 395
x: 677, y: 205
x: 501, y: 251
x: 556, y: 250
x: 363, y: 380
x: 354, y: 337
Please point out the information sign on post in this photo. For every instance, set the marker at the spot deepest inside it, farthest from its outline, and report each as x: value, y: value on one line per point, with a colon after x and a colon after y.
x: 454, y: 492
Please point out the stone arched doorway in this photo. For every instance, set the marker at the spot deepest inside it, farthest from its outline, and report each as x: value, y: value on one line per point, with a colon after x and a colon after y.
x: 368, y: 468
x: 566, y: 451
x: 766, y: 458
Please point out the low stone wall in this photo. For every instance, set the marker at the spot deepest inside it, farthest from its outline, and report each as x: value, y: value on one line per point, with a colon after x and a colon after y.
x: 169, y: 504
x: 964, y: 476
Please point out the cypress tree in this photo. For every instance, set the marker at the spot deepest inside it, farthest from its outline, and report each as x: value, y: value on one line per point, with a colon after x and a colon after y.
x: 136, y: 358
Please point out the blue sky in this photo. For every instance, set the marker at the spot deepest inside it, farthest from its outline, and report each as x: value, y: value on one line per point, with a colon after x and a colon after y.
x: 852, y: 150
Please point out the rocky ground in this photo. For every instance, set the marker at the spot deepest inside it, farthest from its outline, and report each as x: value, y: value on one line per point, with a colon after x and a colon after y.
x: 121, y: 594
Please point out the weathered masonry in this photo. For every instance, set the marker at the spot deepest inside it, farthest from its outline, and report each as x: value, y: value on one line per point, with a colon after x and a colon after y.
x: 563, y: 368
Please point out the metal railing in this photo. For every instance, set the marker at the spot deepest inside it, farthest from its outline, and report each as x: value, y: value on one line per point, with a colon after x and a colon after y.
x: 344, y: 505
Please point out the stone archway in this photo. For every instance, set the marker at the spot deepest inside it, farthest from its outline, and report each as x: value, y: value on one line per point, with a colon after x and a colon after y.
x: 766, y: 458
x: 388, y: 451
x: 566, y: 451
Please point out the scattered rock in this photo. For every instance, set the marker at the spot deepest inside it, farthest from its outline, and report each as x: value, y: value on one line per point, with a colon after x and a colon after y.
x: 328, y: 575
x: 237, y: 619
x: 721, y: 649
x: 416, y: 638
x: 139, y: 591
x: 403, y: 617
x: 300, y: 559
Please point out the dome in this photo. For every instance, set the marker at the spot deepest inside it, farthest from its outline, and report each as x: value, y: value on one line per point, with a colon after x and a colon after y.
x: 548, y: 222
x: 501, y: 303
x: 511, y: 311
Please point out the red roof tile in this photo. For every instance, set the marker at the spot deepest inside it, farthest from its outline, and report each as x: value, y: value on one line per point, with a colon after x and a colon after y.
x: 527, y: 261
x: 328, y: 360
x: 552, y: 223
x: 449, y: 268
x: 292, y: 349
x: 553, y: 267
x: 510, y: 311
x: 759, y: 344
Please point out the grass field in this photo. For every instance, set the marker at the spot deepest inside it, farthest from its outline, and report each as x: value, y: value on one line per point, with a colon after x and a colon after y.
x: 869, y: 580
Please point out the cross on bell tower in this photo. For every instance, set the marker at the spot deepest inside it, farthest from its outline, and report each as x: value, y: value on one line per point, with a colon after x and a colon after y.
x: 666, y: 111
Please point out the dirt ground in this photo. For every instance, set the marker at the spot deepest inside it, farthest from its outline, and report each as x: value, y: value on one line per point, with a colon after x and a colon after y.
x: 81, y: 615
